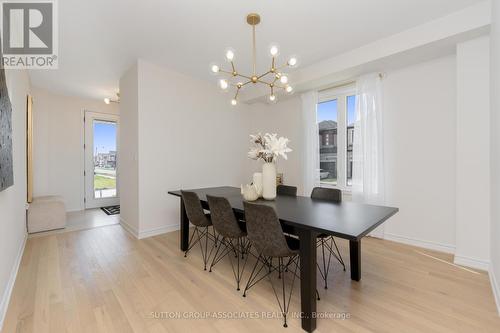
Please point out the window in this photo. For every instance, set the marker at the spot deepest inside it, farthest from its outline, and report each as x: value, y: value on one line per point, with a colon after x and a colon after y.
x: 351, y: 118
x: 327, y: 124
x: 336, y: 116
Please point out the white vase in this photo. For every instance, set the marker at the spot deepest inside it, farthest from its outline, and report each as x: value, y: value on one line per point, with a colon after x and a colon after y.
x: 257, y: 181
x: 269, y: 181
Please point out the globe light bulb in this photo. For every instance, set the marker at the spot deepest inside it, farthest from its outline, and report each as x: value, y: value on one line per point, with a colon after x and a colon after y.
x: 272, y: 98
x: 215, y: 69
x: 230, y: 55
x: 223, y: 84
x: 234, y: 102
x: 284, y: 79
x: 273, y: 50
x: 289, y: 89
x: 292, y: 62
x: 107, y: 100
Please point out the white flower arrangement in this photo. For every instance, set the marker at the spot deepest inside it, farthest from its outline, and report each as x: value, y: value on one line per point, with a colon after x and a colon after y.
x: 268, y: 147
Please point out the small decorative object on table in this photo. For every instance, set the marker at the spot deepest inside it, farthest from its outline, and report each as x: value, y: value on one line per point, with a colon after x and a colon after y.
x: 249, y: 192
x: 279, y: 179
x: 267, y: 148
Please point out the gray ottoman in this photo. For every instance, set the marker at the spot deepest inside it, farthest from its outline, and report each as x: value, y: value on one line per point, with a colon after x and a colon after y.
x: 46, y: 213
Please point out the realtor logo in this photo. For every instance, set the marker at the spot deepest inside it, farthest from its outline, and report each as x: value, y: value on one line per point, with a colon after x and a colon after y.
x: 29, y: 34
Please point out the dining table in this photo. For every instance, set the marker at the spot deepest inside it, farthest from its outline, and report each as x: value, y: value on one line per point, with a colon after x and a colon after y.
x: 309, y: 218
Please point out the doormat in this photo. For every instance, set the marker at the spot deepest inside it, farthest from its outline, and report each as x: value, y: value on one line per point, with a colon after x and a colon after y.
x: 111, y: 210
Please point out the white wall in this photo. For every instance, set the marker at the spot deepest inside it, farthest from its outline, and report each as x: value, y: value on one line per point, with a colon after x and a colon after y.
x: 58, y: 144
x: 189, y: 136
x: 13, y: 199
x: 129, y: 155
x: 419, y: 138
x: 495, y: 151
x: 420, y: 144
x: 283, y: 118
x: 473, y: 154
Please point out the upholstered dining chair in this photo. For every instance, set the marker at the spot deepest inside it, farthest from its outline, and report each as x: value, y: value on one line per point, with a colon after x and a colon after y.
x: 327, y: 242
x: 267, y: 238
x: 286, y: 190
x: 201, y: 222
x: 233, y: 239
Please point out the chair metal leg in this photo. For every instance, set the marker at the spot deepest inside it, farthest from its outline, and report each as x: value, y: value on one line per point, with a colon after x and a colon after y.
x: 285, y: 304
x: 197, y: 238
x: 190, y: 243
x: 294, y: 260
x: 216, y: 257
x: 252, y: 280
x: 323, y: 243
x: 238, y: 272
x: 339, y: 258
x: 204, y: 251
x: 226, y: 248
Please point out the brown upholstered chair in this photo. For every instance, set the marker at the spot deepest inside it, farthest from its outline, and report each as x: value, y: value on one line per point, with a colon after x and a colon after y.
x: 201, y: 222
x: 233, y: 237
x: 286, y: 190
x: 267, y: 238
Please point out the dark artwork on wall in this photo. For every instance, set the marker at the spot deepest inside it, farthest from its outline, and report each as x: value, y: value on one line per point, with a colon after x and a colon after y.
x: 6, y: 171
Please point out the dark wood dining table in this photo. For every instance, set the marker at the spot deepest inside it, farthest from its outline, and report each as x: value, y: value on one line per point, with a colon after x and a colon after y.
x: 309, y: 218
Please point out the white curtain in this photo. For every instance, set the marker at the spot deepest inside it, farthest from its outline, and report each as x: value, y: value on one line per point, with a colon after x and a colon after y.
x: 368, y: 143
x: 311, y: 142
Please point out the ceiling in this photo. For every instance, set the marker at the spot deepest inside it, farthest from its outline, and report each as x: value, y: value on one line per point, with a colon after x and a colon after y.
x: 100, y: 39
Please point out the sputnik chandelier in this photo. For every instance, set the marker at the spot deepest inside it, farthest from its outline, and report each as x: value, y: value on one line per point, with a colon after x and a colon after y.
x: 274, y: 78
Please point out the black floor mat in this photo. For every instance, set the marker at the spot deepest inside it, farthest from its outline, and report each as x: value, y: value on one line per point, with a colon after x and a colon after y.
x: 111, y: 210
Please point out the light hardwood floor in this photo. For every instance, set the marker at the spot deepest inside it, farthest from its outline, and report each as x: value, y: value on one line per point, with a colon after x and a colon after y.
x: 104, y: 280
x: 81, y: 220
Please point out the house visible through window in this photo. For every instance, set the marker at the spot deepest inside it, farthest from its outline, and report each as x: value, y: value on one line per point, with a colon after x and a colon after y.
x: 336, y: 117
x: 351, y: 118
x: 327, y: 124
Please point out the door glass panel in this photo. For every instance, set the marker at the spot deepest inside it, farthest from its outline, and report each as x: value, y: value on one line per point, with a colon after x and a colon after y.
x: 104, y: 159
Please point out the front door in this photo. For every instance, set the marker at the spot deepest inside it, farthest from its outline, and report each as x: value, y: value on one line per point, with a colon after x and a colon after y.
x: 101, y: 162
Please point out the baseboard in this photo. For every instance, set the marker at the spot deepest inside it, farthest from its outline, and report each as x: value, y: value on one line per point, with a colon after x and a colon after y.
x: 148, y: 233
x: 131, y: 230
x: 420, y: 243
x: 158, y: 231
x: 495, y: 287
x: 4, y: 304
x: 472, y: 262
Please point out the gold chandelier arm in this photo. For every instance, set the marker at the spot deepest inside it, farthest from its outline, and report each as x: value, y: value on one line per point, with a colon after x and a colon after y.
x: 261, y: 76
x: 244, y: 76
x: 223, y: 71
x: 237, y: 74
x: 281, y: 67
x: 245, y: 83
x: 237, y: 92
x: 232, y: 66
x: 264, y: 82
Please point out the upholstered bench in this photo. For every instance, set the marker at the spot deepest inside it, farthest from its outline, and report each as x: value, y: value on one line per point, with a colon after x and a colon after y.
x: 46, y: 213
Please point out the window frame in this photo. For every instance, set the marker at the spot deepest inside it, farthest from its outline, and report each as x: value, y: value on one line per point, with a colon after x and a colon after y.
x: 340, y: 94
